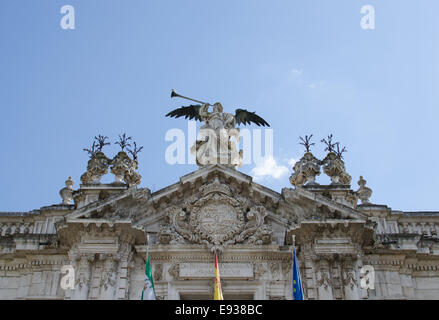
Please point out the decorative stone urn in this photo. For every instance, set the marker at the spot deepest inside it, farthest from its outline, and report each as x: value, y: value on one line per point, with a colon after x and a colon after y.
x: 334, y: 167
x: 120, y: 165
x: 97, y: 166
x: 124, y: 169
x: 66, y: 193
x: 363, y: 192
x: 132, y: 177
x: 305, y: 170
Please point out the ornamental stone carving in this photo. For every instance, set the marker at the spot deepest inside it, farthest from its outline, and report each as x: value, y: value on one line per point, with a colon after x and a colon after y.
x: 165, y: 234
x: 109, y: 270
x: 323, y: 278
x: 259, y: 270
x: 125, y: 169
x: 305, y: 170
x: 158, y: 272
x: 66, y: 193
x: 174, y: 271
x: 108, y: 279
x: 349, y: 279
x: 260, y: 233
x: 275, y: 270
x: 214, y: 145
x: 334, y: 167
x: 215, y: 219
x: 97, y: 166
x: 363, y: 192
x: 83, y: 275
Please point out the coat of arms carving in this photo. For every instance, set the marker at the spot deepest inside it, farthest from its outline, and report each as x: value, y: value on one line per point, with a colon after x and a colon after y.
x: 215, y: 219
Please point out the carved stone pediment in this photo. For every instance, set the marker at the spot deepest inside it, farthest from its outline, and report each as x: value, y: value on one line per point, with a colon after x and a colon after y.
x: 345, y: 235
x: 215, y: 219
x: 313, y: 206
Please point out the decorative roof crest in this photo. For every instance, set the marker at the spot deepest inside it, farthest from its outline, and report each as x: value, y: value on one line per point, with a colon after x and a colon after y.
x: 215, y: 187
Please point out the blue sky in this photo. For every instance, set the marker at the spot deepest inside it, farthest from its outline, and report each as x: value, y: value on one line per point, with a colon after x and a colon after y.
x: 304, y: 66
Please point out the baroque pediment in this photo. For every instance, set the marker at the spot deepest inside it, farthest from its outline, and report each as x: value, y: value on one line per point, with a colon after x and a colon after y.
x: 315, y: 206
x: 215, y: 206
x: 119, y: 206
x: 216, y: 219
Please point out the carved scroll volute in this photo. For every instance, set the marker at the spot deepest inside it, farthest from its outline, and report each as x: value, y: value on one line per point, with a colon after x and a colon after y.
x: 177, y: 220
x: 255, y: 230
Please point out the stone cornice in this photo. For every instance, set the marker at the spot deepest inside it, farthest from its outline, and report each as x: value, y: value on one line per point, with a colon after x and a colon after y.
x: 190, y: 253
x: 343, y: 209
x: 243, y: 178
x: 359, y: 231
x: 410, y: 261
x: 32, y: 262
x: 83, y: 211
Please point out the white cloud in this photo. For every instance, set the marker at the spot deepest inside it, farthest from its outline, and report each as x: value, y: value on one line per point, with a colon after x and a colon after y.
x: 269, y: 168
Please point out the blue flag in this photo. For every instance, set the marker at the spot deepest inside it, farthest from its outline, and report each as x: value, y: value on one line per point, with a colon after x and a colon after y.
x: 297, y: 282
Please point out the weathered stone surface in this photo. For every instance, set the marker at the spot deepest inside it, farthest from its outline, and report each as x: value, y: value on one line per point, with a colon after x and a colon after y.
x: 217, y: 208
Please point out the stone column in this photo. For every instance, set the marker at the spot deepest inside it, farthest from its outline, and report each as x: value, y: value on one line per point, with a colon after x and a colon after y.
x: 125, y: 265
x: 308, y: 282
x: 95, y: 282
x: 336, y: 277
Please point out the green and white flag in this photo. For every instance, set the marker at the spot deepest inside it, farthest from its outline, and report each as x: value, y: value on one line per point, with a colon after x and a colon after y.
x: 148, y: 292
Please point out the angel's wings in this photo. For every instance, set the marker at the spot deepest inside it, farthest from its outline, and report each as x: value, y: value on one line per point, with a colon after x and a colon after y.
x: 241, y: 115
x: 192, y: 111
x: 246, y: 117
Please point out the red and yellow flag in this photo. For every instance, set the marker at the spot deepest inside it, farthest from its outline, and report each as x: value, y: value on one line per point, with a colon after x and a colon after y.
x: 218, y: 295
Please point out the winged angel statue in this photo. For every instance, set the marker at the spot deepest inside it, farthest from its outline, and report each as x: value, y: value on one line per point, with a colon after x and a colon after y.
x: 215, y: 143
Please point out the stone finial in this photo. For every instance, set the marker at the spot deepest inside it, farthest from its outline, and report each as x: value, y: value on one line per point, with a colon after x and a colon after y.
x: 305, y: 170
x: 66, y: 193
x: 125, y: 169
x: 97, y: 166
x: 363, y: 192
x: 334, y: 167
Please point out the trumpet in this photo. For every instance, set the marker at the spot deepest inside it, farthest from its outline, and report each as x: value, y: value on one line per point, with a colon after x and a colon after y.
x: 175, y: 94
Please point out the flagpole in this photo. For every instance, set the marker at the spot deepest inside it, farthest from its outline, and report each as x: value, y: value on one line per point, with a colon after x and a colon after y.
x: 147, y: 247
x: 218, y: 293
x: 148, y: 292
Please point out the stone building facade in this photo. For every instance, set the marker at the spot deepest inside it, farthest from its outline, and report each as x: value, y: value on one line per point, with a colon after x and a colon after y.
x: 101, y: 230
